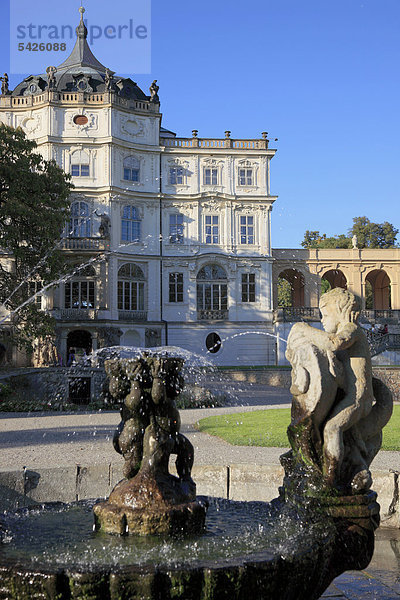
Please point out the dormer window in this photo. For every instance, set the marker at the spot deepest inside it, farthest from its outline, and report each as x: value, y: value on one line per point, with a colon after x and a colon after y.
x: 131, y: 169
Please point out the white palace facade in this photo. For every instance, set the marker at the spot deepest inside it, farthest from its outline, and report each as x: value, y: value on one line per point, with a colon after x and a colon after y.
x: 174, y: 232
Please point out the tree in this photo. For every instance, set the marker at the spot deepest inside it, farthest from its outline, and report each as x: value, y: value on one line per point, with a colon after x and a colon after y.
x: 373, y: 235
x: 369, y: 235
x: 284, y: 293
x: 33, y: 210
x: 313, y: 239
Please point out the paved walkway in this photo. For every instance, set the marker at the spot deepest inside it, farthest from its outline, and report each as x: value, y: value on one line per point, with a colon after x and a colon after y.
x: 56, y: 439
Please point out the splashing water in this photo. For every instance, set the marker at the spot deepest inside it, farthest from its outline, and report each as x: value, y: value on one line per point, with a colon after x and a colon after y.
x: 62, y: 536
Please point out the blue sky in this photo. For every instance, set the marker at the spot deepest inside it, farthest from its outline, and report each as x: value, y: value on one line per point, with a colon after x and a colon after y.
x: 320, y: 76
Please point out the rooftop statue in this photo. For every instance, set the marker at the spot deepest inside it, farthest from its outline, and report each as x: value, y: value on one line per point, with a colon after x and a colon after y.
x: 51, y: 77
x: 108, y: 77
x: 154, y: 92
x: 338, y: 409
x: 4, y: 85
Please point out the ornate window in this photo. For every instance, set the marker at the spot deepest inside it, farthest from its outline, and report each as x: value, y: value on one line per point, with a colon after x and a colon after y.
x: 246, y: 176
x: 176, y: 175
x: 131, y: 282
x: 246, y: 229
x: 248, y: 287
x: 212, y: 293
x: 80, y: 164
x: 210, y: 176
x: 130, y: 224
x: 79, y: 222
x: 176, y: 287
x: 33, y: 287
x: 211, y: 229
x: 80, y: 292
x: 176, y: 228
x: 131, y: 169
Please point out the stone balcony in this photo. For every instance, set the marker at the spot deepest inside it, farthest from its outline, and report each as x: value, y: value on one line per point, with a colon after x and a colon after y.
x: 132, y: 315
x: 77, y: 98
x: 215, y: 143
x: 74, y: 314
x: 212, y: 315
x: 91, y: 244
x: 292, y: 314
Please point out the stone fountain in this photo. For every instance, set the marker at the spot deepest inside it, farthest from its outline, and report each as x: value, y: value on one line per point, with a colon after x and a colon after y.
x: 150, y: 500
x: 321, y: 524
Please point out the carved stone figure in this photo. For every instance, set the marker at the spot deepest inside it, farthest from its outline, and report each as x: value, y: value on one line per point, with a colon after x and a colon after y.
x: 44, y: 352
x: 128, y: 382
x: 338, y: 409
x: 4, y: 85
x: 354, y: 242
x: 108, y: 80
x: 154, y: 92
x: 150, y: 499
x: 51, y: 77
x: 105, y: 226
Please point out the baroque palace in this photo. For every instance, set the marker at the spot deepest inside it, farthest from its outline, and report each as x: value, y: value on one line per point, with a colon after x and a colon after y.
x: 175, y: 232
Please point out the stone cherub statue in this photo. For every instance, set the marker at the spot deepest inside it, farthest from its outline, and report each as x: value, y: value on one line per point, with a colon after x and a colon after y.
x: 338, y: 409
x: 150, y: 499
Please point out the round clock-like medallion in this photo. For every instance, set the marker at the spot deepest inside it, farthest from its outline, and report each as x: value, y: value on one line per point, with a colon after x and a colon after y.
x: 80, y: 120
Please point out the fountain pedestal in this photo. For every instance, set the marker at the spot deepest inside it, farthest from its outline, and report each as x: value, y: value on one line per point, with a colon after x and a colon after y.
x: 161, y: 517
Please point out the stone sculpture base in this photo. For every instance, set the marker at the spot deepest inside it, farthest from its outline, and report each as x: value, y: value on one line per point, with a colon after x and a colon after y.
x: 151, y: 504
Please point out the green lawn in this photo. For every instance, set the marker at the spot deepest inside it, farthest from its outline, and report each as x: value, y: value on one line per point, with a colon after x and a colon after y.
x: 268, y: 428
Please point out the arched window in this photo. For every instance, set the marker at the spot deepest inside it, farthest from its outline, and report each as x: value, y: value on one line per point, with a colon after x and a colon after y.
x: 131, y: 224
x: 80, y: 291
x: 212, y: 293
x: 79, y: 223
x: 131, y: 169
x: 131, y: 282
x: 80, y: 164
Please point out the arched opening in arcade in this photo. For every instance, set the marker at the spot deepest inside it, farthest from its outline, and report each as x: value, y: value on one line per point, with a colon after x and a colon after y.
x: 377, y: 290
x: 291, y: 288
x: 332, y: 279
x: 79, y: 342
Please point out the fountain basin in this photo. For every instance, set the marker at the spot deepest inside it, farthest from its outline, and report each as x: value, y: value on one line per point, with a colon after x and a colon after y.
x: 249, y: 549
